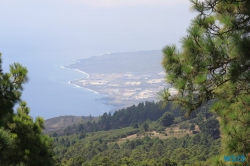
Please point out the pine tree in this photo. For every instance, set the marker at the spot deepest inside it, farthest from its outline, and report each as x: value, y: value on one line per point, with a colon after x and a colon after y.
x: 167, y: 119
x: 213, y: 65
x: 21, y: 138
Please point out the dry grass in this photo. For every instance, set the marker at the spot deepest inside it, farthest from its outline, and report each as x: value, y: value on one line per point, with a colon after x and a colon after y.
x: 176, y: 132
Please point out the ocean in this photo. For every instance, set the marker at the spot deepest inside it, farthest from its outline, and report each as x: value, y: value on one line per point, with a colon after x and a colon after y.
x: 49, y: 93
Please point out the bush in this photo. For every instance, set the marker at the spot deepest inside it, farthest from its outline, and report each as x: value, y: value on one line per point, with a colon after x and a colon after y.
x: 177, y: 120
x: 160, y: 128
x: 167, y: 119
x: 184, y: 125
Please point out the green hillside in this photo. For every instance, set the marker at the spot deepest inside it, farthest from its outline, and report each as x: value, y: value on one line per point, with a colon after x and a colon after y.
x: 192, y: 141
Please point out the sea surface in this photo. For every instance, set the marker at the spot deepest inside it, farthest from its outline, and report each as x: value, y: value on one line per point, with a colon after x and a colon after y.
x: 49, y: 93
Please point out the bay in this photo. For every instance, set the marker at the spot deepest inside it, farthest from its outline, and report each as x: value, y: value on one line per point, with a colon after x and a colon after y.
x: 48, y: 92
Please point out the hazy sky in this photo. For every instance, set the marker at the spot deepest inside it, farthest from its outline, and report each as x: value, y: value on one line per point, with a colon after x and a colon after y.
x: 91, y: 25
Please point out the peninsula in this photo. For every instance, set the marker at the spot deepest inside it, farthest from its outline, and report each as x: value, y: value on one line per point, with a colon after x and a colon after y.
x: 125, y: 78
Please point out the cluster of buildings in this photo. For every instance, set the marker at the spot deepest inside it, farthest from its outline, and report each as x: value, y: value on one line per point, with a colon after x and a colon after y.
x: 124, y: 88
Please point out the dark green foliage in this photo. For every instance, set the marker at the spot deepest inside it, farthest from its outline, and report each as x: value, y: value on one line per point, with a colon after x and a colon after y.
x: 167, y: 119
x: 214, y: 65
x: 21, y: 138
x: 80, y: 127
x: 151, y: 151
x: 145, y: 126
x: 31, y: 146
x: 160, y: 128
x: 167, y: 162
x: 192, y: 127
x: 82, y: 135
x: 131, y: 116
x: 211, y: 127
x: 126, y: 161
x: 135, y: 126
x: 6, y: 142
x: 77, y: 161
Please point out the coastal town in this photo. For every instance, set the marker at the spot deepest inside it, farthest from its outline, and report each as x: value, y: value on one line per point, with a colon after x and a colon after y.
x: 124, y: 79
x: 124, y: 89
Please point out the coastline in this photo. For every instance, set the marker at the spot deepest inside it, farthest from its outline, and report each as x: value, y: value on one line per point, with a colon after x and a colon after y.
x: 118, y: 87
x: 70, y: 82
x: 63, y: 67
x: 82, y: 72
x: 104, y: 98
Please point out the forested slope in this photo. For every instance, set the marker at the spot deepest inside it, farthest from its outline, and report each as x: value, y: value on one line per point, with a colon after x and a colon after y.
x: 125, y: 117
x: 174, y: 145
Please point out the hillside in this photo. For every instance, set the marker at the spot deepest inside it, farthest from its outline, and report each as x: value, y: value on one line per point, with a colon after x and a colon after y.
x: 137, y: 140
x: 61, y: 122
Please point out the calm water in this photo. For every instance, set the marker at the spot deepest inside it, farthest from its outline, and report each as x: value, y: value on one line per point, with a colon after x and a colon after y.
x: 48, y: 92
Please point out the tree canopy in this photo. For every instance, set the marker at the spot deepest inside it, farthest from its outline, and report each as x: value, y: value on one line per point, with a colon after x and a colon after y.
x: 21, y: 138
x: 213, y: 65
x: 167, y: 119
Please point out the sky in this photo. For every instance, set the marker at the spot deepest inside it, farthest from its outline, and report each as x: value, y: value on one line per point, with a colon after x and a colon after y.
x: 43, y: 35
x: 78, y: 26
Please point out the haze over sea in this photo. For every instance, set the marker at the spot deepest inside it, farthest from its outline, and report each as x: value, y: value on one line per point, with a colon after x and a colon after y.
x: 44, y: 35
x: 48, y: 92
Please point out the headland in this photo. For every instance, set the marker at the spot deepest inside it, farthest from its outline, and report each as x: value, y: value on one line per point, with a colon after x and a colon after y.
x: 125, y: 78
